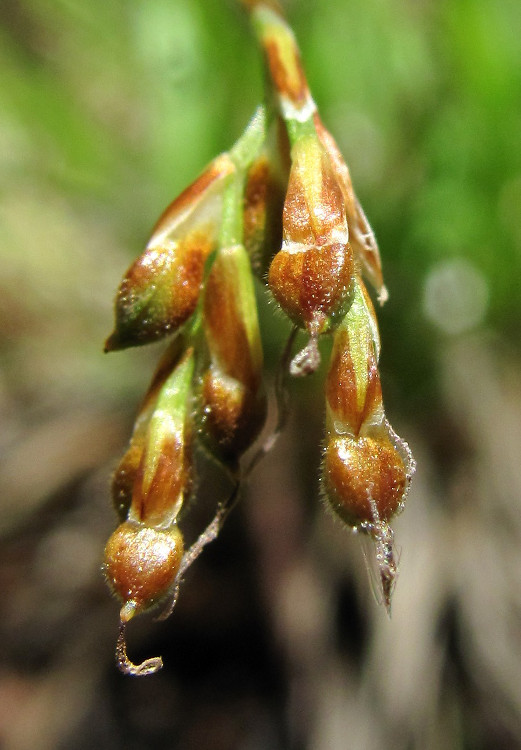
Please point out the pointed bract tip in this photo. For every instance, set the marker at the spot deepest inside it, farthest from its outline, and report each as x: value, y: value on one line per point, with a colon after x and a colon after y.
x: 112, y: 344
x: 388, y: 582
x: 387, y: 558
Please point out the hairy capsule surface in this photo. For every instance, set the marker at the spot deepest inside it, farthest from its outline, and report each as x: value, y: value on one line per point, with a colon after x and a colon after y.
x: 364, y: 479
x: 366, y: 467
x: 143, y: 555
x: 311, y: 277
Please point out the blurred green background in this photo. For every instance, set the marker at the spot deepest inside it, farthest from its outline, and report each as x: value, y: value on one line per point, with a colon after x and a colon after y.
x: 108, y: 109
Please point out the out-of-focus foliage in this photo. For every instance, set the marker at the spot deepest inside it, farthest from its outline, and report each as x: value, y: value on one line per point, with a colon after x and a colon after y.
x: 108, y: 108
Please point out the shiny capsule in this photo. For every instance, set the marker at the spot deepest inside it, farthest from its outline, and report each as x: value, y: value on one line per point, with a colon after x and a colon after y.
x: 364, y: 479
x: 366, y: 466
x: 141, y: 565
x: 311, y: 277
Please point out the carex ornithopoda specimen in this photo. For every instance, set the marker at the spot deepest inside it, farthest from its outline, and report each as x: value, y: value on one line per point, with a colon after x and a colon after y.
x: 278, y: 205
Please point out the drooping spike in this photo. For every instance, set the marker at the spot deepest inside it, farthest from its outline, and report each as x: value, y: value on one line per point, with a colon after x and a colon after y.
x: 366, y: 467
x: 143, y: 556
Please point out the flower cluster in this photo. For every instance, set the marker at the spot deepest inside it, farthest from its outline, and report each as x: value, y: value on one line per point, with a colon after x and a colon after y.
x: 280, y: 204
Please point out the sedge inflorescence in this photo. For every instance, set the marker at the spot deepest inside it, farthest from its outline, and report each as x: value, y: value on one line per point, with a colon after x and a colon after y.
x: 279, y: 205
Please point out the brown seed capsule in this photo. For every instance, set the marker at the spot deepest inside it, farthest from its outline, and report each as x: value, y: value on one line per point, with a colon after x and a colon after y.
x: 364, y: 479
x: 313, y: 286
x: 125, y: 477
x: 160, y: 291
x: 141, y: 565
x: 312, y: 275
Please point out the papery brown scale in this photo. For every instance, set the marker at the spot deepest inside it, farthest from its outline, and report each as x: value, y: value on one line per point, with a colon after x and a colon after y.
x: 218, y: 169
x: 155, y: 497
x: 124, y: 478
x: 226, y: 334
x: 255, y: 200
x: 306, y: 220
x: 337, y: 163
x: 342, y: 392
x: 287, y: 75
x: 364, y: 479
x: 360, y: 233
x: 233, y: 414
x: 296, y: 225
x: 263, y: 204
x: 193, y: 252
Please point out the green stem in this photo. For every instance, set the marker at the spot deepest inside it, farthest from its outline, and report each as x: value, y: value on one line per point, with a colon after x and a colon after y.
x: 248, y: 146
x: 243, y: 154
